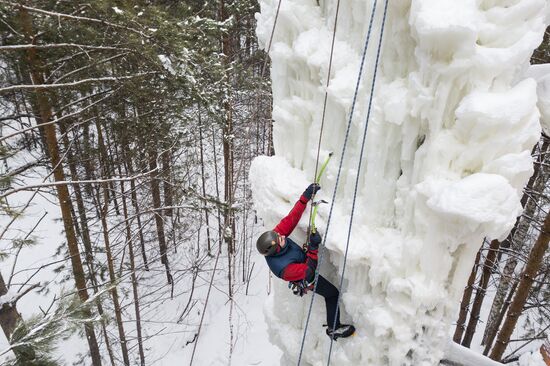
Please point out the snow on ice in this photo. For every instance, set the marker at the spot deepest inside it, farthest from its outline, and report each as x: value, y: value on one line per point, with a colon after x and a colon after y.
x: 453, y: 122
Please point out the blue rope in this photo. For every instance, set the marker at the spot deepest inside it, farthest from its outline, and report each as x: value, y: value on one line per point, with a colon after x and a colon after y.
x: 363, y: 143
x: 338, y: 178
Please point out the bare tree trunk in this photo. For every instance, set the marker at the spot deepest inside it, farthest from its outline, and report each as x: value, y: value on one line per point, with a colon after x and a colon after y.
x: 217, y: 187
x: 465, y: 303
x: 480, y: 292
x: 270, y: 146
x: 491, y: 336
x: 158, y: 216
x: 9, y: 320
x: 110, y: 167
x: 107, y: 242
x: 244, y: 240
x: 133, y: 276
x: 228, y: 145
x: 87, y: 161
x: 515, y: 242
x: 128, y: 167
x: 204, y: 185
x: 526, y: 280
x: 59, y: 176
x: 167, y: 183
x: 9, y: 317
x: 89, y: 255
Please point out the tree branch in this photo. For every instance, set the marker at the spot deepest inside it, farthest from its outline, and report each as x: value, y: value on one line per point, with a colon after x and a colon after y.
x: 74, y: 182
x: 74, y: 17
x: 18, y: 47
x: 75, y: 83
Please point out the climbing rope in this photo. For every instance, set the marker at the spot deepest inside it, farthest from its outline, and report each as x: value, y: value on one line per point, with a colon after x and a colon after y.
x: 258, y: 94
x: 359, y: 163
x: 315, y: 174
x: 271, y: 38
x: 320, y: 260
x: 263, y: 72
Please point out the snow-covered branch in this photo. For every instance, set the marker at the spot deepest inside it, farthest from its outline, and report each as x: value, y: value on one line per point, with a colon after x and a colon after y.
x: 16, y: 117
x: 75, y: 182
x: 18, y: 47
x: 20, y: 169
x: 74, y: 83
x: 86, y: 97
x: 73, y: 17
x: 21, y: 294
x: 94, y: 64
x: 457, y: 355
x: 57, y: 120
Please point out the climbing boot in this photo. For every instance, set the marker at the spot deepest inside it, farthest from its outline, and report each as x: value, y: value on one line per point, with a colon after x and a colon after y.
x: 341, y: 331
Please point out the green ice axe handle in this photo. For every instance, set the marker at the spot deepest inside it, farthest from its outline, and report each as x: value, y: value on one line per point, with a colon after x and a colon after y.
x: 313, y: 228
x: 323, y: 167
x: 317, y: 179
x: 314, y: 214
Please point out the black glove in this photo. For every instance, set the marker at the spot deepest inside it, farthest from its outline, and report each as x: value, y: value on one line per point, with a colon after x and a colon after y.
x: 311, y: 190
x: 314, y: 240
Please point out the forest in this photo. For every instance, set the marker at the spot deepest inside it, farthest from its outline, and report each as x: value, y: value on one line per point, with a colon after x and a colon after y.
x: 137, y: 122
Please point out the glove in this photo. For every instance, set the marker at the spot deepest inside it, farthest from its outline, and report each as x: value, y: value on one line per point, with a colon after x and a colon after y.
x: 314, y: 240
x: 311, y: 190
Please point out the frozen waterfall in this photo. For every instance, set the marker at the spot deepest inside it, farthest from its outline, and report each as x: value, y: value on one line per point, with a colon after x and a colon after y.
x: 452, y: 126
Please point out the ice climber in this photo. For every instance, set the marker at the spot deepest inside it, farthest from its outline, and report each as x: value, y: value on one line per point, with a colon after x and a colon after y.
x: 288, y: 261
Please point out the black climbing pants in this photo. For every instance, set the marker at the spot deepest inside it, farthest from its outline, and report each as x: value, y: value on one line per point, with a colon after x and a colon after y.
x: 330, y: 293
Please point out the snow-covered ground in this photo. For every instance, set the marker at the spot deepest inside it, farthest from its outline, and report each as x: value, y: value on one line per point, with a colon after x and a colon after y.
x: 452, y: 125
x: 167, y: 342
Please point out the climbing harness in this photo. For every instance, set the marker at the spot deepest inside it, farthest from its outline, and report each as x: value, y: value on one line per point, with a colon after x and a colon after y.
x: 300, y: 288
x: 341, y: 163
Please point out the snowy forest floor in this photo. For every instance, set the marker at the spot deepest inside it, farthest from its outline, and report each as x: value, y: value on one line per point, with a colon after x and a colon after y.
x: 167, y: 341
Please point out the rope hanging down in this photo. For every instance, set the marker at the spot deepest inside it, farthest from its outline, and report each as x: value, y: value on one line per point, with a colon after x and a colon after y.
x: 321, y: 256
x: 255, y: 114
x: 258, y: 96
x: 359, y: 163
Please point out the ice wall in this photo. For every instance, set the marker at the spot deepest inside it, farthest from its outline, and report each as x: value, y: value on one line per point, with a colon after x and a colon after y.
x: 449, y: 141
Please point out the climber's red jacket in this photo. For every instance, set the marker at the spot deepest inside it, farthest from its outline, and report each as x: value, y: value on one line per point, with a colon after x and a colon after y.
x: 297, y: 271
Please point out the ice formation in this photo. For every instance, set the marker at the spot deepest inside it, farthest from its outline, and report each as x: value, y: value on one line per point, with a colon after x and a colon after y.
x: 448, y: 152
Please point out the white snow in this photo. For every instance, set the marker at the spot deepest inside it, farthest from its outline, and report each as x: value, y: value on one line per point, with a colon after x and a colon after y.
x: 8, y: 298
x: 453, y: 121
x: 167, y: 63
x: 457, y: 353
x: 531, y: 359
x: 541, y: 73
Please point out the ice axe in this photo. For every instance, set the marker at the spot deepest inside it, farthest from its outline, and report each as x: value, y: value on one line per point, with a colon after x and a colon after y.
x: 314, y: 214
x: 316, y: 204
x: 312, y: 229
x: 323, y: 167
